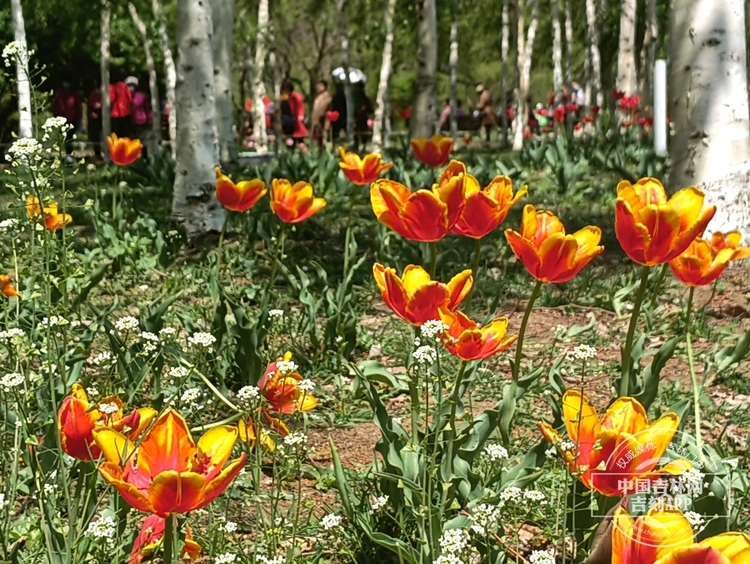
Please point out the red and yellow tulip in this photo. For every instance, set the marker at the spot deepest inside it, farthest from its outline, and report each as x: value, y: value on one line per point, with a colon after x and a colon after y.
x: 653, y: 230
x: 484, y: 210
x: 124, y: 151
x: 466, y: 340
x: 704, y: 261
x: 9, y: 290
x: 53, y: 220
x: 416, y: 298
x: 650, y: 537
x: 77, y: 419
x: 33, y: 207
x: 294, y: 203
x: 279, y: 385
x: 169, y: 473
x: 248, y: 434
x: 434, y: 151
x: 424, y: 215
x: 547, y: 252
x: 238, y: 197
x: 726, y: 548
x: 362, y: 171
x: 150, y: 536
x: 618, y: 448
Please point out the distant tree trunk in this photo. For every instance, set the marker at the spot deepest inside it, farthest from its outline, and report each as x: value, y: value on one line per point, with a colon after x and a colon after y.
x: 387, y: 128
x: 385, y: 75
x: 453, y: 63
x: 422, y: 120
x: 627, y: 79
x: 709, y: 106
x: 557, y: 72
x: 259, y: 86
x: 222, y: 15
x: 194, y: 204
x: 595, y: 95
x: 344, y: 42
x: 170, y: 72
x: 568, y: 43
x: 25, y: 124
x: 524, y: 71
x: 648, y: 51
x: 276, y: 90
x: 153, y: 87
x: 104, y: 75
x: 504, y: 58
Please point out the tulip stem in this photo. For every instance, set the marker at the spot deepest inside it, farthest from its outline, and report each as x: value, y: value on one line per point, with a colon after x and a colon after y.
x: 433, y: 258
x: 474, y: 272
x: 170, y: 531
x: 451, y: 428
x: 697, y: 388
x: 278, y: 254
x: 627, y: 351
x: 522, y: 333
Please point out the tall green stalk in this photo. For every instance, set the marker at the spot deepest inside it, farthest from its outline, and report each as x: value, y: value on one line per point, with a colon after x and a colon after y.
x: 451, y: 428
x: 170, y: 544
x: 627, y: 351
x: 697, y: 388
x: 278, y: 254
x: 474, y: 273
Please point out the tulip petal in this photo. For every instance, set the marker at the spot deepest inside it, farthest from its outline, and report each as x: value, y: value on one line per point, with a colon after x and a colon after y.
x: 557, y: 255
x: 663, y: 224
x: 634, y: 238
x: 115, y: 447
x: 113, y: 475
x: 458, y: 287
x: 167, y: 446
x: 696, y: 554
x: 525, y: 251
x: 734, y: 546
x: 687, y: 203
x: 413, y: 278
x: 394, y: 294
x: 216, y: 445
x: 582, y: 424
x: 425, y: 216
x: 216, y: 487
x: 426, y: 302
x: 176, y: 492
x: 622, y: 537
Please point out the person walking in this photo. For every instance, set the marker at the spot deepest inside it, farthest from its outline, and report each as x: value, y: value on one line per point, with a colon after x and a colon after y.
x: 321, y: 105
x: 293, y: 114
x: 140, y: 112
x: 484, y: 107
x: 67, y: 104
x: 120, y: 100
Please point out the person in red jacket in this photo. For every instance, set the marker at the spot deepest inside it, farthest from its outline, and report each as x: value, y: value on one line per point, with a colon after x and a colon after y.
x: 67, y: 104
x: 293, y: 113
x: 120, y: 99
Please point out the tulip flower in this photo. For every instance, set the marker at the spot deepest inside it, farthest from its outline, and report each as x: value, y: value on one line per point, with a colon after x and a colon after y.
x: 150, y: 536
x: 547, y: 252
x: 169, y: 473
x: 467, y: 341
x: 9, y: 290
x: 33, y: 207
x: 610, y: 453
x: 726, y: 548
x: 484, y: 210
x: 362, y: 171
x: 424, y: 215
x: 77, y: 419
x: 434, y: 151
x: 280, y: 386
x: 238, y: 197
x: 653, y: 230
x: 649, y: 537
x: 414, y: 297
x: 249, y: 435
x: 124, y: 151
x: 294, y: 203
x: 704, y: 261
x: 54, y: 220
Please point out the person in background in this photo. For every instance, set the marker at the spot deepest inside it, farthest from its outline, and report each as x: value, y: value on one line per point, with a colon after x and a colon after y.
x: 293, y: 114
x: 362, y: 111
x: 140, y: 112
x: 339, y: 105
x: 484, y: 107
x: 94, y: 111
x: 321, y: 105
x: 445, y: 115
x: 120, y: 100
x: 577, y: 95
x: 67, y: 104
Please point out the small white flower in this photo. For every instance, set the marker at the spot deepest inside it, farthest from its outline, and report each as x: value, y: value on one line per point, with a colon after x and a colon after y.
x: 565, y: 445
x: 143, y: 287
x: 397, y: 420
x: 102, y: 528
x: 274, y: 313
x: 109, y: 408
x: 147, y: 336
x: 695, y: 519
x: 425, y: 355
x: 536, y: 496
x: 91, y: 391
x: 55, y: 124
x: 248, y: 394
x: 454, y: 541
x: 330, y: 521
x: 306, y: 386
x: 275, y: 560
x: 167, y: 332
x: 433, y: 328
x: 581, y: 353
x: 286, y: 366
x: 541, y: 557
x: 295, y: 439
x: 127, y: 323
x: 10, y: 224
x: 104, y: 358
x: 229, y: 527
x: 191, y: 395
x: 23, y: 151
x: 379, y: 503
x: 511, y: 494
x: 11, y: 380
x: 53, y: 321
x: 484, y: 517
x: 3, y: 502
x: 495, y: 452
x: 225, y: 558
x: 202, y: 339
x: 178, y: 373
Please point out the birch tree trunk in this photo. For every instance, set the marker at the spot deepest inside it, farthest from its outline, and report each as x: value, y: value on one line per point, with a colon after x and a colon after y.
x: 709, y: 106
x: 648, y: 51
x: 453, y: 64
x: 424, y: 108
x: 276, y: 90
x: 504, y: 58
x: 194, y: 204
x: 627, y: 79
x: 259, y: 86
x: 104, y: 74
x: 568, y: 43
x: 170, y: 72
x: 25, y: 123
x: 222, y: 15
x: 592, y: 40
x: 385, y: 75
x: 524, y: 72
x: 344, y: 42
x: 153, y: 87
x: 557, y: 73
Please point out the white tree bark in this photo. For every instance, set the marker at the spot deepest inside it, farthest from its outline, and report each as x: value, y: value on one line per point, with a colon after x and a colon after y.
x: 648, y: 51
x: 153, y: 87
x: 194, y: 204
x: 23, y: 82
x: 104, y: 74
x: 276, y: 88
x: 453, y: 64
x: 504, y: 46
x: 170, y: 72
x: 344, y: 43
x: 709, y: 106
x: 424, y: 108
x: 595, y: 96
x: 385, y: 75
x: 568, y: 43
x: 222, y: 15
x: 557, y: 72
x: 259, y: 86
x: 627, y: 79
x: 524, y: 72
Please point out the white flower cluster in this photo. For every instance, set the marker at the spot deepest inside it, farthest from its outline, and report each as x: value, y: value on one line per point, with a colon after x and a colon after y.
x: 108, y: 408
x: 9, y: 225
x: 379, y: 502
x: 306, y: 386
x: 565, y: 445
x: 10, y: 51
x: 495, y: 452
x: 689, y: 481
x: 229, y: 527
x: 24, y: 151
x: 104, y: 358
x: 167, y: 332
x: 202, y: 339
x: 581, y: 353
x: 536, y: 496
x: 54, y: 125
x: 13, y: 336
x: 454, y: 544
x: 3, y: 502
x: 484, y: 518
x: 295, y: 440
x: 286, y: 366
x: 11, y: 380
x: 511, y: 494
x: 191, y: 396
x: 695, y: 519
x: 177, y: 373
x: 150, y: 342
x: 102, y: 528
x: 127, y: 323
x: 92, y: 392
x: 248, y: 394
x: 53, y: 321
x: 275, y: 313
x: 275, y: 560
x: 226, y: 558
x: 425, y: 355
x: 433, y: 329
x: 330, y: 521
x: 541, y: 557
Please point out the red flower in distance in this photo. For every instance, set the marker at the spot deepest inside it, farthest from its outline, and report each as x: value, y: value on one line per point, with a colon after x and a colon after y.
x: 333, y: 116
